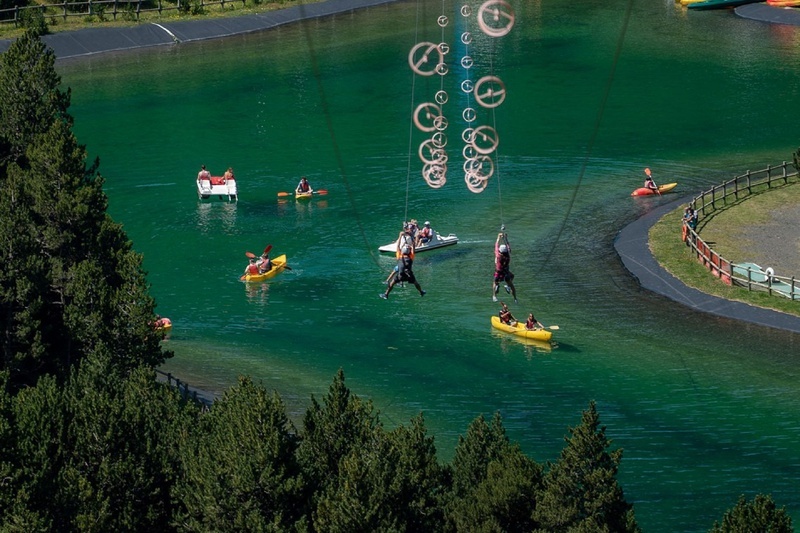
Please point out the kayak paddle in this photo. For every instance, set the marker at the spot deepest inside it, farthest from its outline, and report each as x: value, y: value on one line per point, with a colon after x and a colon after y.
x: 321, y: 191
x: 649, y: 175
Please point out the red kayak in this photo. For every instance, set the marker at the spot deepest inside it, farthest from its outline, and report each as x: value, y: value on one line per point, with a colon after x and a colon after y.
x: 643, y: 191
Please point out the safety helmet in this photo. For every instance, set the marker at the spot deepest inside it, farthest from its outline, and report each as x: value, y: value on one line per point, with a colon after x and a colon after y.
x: 503, y: 248
x: 406, y: 250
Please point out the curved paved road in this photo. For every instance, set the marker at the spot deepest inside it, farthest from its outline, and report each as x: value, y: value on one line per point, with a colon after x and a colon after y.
x: 69, y: 44
x: 632, y: 246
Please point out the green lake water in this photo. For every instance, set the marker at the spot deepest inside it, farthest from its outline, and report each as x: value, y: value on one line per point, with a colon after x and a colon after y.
x: 705, y: 408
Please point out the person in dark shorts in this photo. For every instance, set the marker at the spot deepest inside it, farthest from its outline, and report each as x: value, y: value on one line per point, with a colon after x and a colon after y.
x: 403, y: 273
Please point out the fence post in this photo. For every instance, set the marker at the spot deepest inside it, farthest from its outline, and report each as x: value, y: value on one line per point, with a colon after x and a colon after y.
x: 65, y: 10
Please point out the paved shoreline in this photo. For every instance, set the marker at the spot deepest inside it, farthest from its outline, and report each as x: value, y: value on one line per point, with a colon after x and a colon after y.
x: 631, y: 244
x: 90, y: 41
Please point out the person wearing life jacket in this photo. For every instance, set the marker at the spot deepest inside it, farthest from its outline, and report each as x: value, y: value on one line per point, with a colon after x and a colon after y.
x: 405, y: 238
x: 532, y: 323
x: 303, y: 187
x: 424, y: 235
x: 502, y: 263
x: 403, y: 272
x: 252, y: 268
x: 505, y: 315
x: 264, y: 263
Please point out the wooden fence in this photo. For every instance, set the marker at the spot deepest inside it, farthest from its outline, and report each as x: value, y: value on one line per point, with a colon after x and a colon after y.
x: 183, y: 388
x: 745, y: 274
x: 108, y: 8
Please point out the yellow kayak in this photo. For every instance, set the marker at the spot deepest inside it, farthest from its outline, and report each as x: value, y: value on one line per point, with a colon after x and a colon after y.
x: 520, y: 331
x: 278, y: 265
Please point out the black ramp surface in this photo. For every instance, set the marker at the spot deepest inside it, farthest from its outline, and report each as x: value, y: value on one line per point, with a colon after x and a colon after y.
x: 632, y: 246
x: 89, y: 41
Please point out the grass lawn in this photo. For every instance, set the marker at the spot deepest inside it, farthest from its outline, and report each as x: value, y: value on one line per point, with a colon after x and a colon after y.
x: 216, y: 10
x: 673, y: 254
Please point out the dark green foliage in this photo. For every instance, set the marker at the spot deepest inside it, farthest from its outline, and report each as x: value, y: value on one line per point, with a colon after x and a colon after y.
x: 71, y: 283
x: 580, y: 490
x: 32, y: 19
x: 494, y: 484
x: 391, y: 482
x: 759, y: 515
x: 240, y: 471
x: 97, y: 454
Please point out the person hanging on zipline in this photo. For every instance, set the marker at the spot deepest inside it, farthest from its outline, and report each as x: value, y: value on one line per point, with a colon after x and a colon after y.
x: 502, y: 264
x: 403, y: 272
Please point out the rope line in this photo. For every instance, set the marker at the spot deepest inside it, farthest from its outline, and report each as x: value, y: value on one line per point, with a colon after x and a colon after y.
x: 596, y: 129
x: 329, y: 125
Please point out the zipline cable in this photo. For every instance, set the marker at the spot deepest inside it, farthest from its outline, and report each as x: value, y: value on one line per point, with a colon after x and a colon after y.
x: 593, y: 138
x: 329, y: 124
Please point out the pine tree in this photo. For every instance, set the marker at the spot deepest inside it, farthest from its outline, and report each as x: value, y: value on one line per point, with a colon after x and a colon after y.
x: 240, y: 472
x: 71, y: 283
x: 580, y: 491
x: 761, y: 514
x: 392, y: 482
x: 494, y: 484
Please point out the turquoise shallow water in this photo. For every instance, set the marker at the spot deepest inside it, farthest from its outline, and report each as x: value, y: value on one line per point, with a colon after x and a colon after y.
x: 704, y: 408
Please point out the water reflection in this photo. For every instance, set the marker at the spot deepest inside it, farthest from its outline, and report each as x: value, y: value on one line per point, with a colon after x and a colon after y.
x: 215, y: 216
x: 532, y: 346
x: 257, y: 293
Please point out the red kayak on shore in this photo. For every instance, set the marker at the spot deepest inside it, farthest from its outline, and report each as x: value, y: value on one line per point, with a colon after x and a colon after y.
x: 644, y: 191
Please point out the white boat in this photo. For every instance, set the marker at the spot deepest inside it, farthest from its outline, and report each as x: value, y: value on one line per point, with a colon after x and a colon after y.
x: 218, y: 186
x: 438, y: 241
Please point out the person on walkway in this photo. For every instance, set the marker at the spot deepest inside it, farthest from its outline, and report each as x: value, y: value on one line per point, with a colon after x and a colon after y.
x: 303, y: 187
x: 505, y: 315
x: 533, y: 324
x: 502, y: 263
x: 403, y: 272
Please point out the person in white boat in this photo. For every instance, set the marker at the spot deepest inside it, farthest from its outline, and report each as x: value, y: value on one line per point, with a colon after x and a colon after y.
x: 203, y: 174
x: 424, y: 235
x: 403, y: 273
x: 228, y: 175
x: 303, y: 187
x: 502, y: 271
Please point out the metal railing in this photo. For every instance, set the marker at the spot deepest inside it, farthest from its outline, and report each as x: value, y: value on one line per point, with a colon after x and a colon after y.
x: 746, y: 274
x: 185, y: 391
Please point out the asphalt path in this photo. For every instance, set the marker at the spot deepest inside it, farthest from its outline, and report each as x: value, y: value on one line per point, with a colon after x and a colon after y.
x: 631, y: 244
x: 89, y: 41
